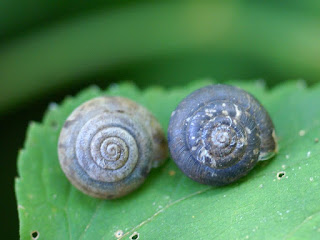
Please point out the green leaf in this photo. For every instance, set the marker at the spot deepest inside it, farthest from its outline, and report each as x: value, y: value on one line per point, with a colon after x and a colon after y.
x: 169, y: 205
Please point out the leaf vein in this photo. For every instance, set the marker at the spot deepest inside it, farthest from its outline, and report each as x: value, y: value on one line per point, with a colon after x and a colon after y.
x: 300, y: 225
x: 165, y: 208
x: 91, y: 219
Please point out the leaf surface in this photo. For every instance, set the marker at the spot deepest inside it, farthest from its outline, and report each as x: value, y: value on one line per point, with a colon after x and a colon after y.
x: 169, y: 205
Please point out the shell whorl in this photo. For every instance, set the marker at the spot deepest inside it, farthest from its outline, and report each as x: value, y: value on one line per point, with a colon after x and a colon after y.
x: 217, y: 138
x: 218, y: 133
x: 107, y: 149
x: 108, y: 146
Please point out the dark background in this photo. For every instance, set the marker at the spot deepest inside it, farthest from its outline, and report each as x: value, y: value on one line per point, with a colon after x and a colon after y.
x: 50, y: 49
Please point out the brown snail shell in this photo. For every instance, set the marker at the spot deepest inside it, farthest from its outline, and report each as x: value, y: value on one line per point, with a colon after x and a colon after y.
x: 108, y: 145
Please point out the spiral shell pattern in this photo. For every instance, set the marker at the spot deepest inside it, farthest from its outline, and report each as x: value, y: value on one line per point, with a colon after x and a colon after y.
x: 108, y: 146
x: 107, y: 153
x: 218, y: 133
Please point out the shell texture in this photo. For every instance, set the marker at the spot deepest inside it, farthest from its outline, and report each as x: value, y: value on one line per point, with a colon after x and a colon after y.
x: 108, y: 145
x: 218, y: 133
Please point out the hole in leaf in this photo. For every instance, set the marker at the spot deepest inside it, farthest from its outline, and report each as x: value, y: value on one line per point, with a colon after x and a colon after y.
x: 134, y: 236
x: 281, y: 175
x: 35, y: 235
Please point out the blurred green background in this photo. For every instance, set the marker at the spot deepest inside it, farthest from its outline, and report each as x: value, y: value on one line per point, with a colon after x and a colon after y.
x: 50, y: 49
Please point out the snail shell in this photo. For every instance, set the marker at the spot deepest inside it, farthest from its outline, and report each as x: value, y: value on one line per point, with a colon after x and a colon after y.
x: 108, y: 145
x: 218, y: 133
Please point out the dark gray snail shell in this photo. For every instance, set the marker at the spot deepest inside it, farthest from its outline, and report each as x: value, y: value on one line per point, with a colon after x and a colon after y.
x: 218, y: 133
x: 108, y: 145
